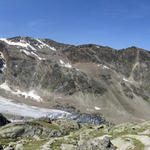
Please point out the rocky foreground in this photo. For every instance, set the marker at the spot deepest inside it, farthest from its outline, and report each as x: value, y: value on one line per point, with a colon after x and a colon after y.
x: 64, y: 134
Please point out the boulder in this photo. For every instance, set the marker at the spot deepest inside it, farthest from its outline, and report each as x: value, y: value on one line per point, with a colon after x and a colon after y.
x: 45, y: 119
x: 100, y: 143
x: 19, y: 147
x: 66, y: 125
x: 3, y: 120
x: 15, y: 130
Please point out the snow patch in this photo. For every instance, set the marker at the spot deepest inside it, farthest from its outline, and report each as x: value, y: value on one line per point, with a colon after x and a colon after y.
x: 77, y: 69
x: 25, y: 51
x: 31, y: 53
x: 97, y: 108
x: 9, y: 107
x: 62, y: 62
x: 22, y: 43
x: 5, y: 87
x: 42, y: 44
x: 37, y: 56
x: 3, y: 59
x: 126, y: 80
x: 30, y: 94
x: 103, y: 66
x: 67, y: 65
x: 2, y: 56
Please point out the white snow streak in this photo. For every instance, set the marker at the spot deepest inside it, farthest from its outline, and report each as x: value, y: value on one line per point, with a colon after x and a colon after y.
x: 103, y: 66
x: 5, y: 87
x: 22, y: 43
x: 126, y: 80
x: 42, y: 44
x: 97, y: 108
x: 30, y: 94
x: 37, y: 56
x: 3, y: 59
x: 67, y: 65
x: 25, y: 51
x: 31, y: 53
x: 2, y: 56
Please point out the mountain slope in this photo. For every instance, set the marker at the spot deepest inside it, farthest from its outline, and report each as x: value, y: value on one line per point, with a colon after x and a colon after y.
x: 91, y: 78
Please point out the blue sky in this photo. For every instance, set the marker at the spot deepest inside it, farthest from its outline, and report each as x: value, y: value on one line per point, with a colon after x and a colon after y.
x: 115, y: 23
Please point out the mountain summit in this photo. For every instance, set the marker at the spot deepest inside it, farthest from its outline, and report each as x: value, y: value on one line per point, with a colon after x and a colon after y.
x: 89, y: 78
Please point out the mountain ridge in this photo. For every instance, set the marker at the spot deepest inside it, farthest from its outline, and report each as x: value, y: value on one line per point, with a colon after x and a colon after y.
x: 86, y: 44
x: 91, y: 78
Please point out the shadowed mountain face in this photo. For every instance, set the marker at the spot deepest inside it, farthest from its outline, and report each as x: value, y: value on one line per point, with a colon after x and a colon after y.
x: 91, y: 78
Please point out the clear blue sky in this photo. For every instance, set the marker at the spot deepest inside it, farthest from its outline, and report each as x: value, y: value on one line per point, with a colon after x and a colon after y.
x: 115, y: 23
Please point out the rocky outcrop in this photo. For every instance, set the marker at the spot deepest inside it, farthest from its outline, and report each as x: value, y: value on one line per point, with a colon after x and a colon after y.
x: 56, y: 130
x: 101, y: 143
x: 3, y: 120
x: 45, y: 134
x: 39, y: 127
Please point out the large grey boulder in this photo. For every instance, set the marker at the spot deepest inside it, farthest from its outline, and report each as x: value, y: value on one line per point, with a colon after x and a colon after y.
x: 100, y: 143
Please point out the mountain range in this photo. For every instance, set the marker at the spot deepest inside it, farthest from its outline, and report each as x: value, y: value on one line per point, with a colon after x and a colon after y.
x: 90, y: 79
